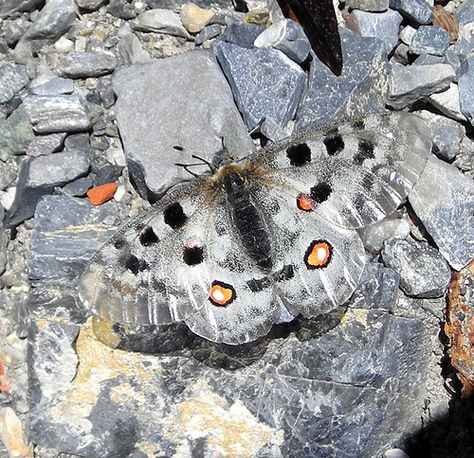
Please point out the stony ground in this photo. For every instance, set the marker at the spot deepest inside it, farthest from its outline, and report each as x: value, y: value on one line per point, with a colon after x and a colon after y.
x: 77, y: 125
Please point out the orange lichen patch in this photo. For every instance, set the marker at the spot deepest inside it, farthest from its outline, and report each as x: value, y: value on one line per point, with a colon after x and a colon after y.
x: 4, y: 387
x: 446, y: 21
x: 305, y: 202
x: 221, y: 294
x: 459, y: 327
x: 318, y: 254
x: 102, y: 193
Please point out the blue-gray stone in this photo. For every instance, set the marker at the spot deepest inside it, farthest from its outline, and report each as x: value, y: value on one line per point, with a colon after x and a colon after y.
x: 8, y: 174
x: 121, y: 10
x: 90, y: 5
x: 287, y: 36
x: 450, y: 57
x: 161, y: 123
x: 266, y: 84
x: 242, y: 34
x: 368, y: 5
x: 38, y: 177
x: 16, y: 132
x: 208, y: 32
x: 418, y: 11
x: 14, y: 29
x: 66, y: 233
x: 430, y: 39
x: 384, y: 26
x: 3, y: 243
x: 407, y: 84
x: 78, y: 188
x: 49, y: 84
x: 12, y: 79
x: 423, y: 271
x: 61, y: 113
x: 46, y: 144
x: 87, y: 64
x: 360, y: 89
x: 465, y: 13
x: 443, y: 199
x: 9, y: 7
x: 466, y: 88
x: 130, y: 50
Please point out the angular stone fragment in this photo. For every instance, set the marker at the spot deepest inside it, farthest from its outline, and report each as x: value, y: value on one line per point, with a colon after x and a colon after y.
x: 12, y: 79
x: 288, y: 37
x: 242, y: 34
x: 448, y: 102
x: 443, y: 199
x: 14, y: 30
x: 62, y: 113
x: 87, y: 64
x: 465, y: 13
x: 418, y: 11
x: 194, y: 18
x: 207, y: 33
x: 375, y: 235
x: 46, y: 144
x: 407, y: 84
x: 121, y: 10
x: 160, y: 20
x: 38, y: 177
x: 16, y: 132
x: 368, y: 5
x: 431, y: 40
x: 90, y: 5
x: 466, y: 88
x: 266, y: 84
x: 3, y: 243
x: 8, y: 7
x: 130, y: 50
x: 423, y: 271
x: 161, y: 123
x: 66, y: 233
x: 50, y: 84
x: 361, y: 88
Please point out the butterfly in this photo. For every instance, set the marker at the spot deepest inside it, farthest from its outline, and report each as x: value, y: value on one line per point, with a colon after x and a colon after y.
x: 232, y: 252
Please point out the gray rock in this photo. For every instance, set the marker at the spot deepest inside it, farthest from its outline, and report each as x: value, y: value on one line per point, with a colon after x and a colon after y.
x: 66, y: 233
x: 8, y: 174
x: 121, y: 10
x: 14, y: 30
x: 130, y: 50
x: 466, y: 89
x: 446, y: 135
x: 176, y: 4
x: 207, y: 33
x: 38, y: 177
x: 384, y: 26
x: 378, y: 288
x: 465, y: 13
x: 360, y: 89
x: 16, y: 132
x: 12, y: 79
x: 3, y: 243
x: 106, y: 92
x: 430, y: 39
x: 450, y: 57
x: 53, y: 21
x: 90, y: 5
x: 368, y: 5
x: 62, y: 113
x: 443, y: 199
x: 160, y: 20
x: 423, y: 271
x: 49, y: 84
x: 156, y: 111
x: 77, y: 188
x: 400, y: 55
x: 407, y: 84
x: 8, y: 7
x: 375, y: 235
x: 46, y: 144
x: 87, y: 64
x: 77, y: 142
x: 447, y: 102
x: 418, y: 11
x: 288, y: 37
x: 266, y: 84
x: 242, y: 34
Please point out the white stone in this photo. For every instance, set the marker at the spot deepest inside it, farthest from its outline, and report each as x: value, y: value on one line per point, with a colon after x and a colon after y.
x: 8, y: 197
x: 120, y: 193
x: 406, y: 34
x: 448, y: 102
x: 116, y: 157
x: 63, y: 45
x: 194, y: 18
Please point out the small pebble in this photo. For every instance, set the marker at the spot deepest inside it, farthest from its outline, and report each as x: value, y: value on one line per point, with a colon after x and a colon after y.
x: 120, y: 193
x: 8, y: 197
x: 102, y: 193
x: 63, y: 45
x: 194, y: 18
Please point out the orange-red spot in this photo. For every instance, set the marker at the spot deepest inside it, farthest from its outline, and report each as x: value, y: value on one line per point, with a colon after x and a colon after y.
x: 102, y: 193
x: 318, y: 254
x: 221, y: 294
x: 305, y: 202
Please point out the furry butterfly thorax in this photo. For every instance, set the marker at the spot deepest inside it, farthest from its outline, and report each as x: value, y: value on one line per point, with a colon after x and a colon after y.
x: 271, y: 236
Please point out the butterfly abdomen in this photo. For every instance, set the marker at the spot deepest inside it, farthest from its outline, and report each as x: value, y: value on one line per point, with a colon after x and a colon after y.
x: 247, y: 220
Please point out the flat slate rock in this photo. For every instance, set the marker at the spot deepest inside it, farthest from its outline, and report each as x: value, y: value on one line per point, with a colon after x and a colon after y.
x: 8, y: 7
x: 443, y: 199
x: 266, y: 84
x: 162, y: 122
x: 66, y: 233
x: 360, y: 89
x: 466, y: 89
x: 87, y: 64
x: 418, y: 11
x: 12, y: 79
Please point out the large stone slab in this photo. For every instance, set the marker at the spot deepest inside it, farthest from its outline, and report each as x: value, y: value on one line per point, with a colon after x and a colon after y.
x: 166, y: 114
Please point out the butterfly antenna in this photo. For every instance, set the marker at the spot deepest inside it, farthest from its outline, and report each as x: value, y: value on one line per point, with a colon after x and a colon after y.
x: 186, y: 167
x: 211, y: 166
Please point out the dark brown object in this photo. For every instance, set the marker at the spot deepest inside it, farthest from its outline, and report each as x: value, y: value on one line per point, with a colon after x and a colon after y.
x: 318, y: 19
x: 446, y: 21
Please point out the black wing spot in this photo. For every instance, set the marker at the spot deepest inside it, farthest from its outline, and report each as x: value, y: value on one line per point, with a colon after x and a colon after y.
x: 148, y: 236
x: 366, y: 151
x: 119, y: 243
x: 174, y: 216
x: 257, y: 285
x: 333, y: 142
x: 193, y: 255
x: 133, y: 264
x: 358, y: 124
x: 321, y: 192
x: 299, y: 154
